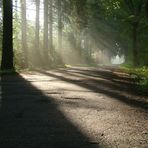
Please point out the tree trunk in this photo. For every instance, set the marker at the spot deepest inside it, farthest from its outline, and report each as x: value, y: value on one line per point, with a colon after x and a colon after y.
x: 59, y: 26
x: 37, y: 30
x: 7, y: 50
x: 50, y: 29
x: 135, y: 45
x: 45, y: 40
x: 24, y: 33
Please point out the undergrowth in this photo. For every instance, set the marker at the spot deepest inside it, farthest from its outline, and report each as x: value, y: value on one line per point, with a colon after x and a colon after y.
x: 140, y: 74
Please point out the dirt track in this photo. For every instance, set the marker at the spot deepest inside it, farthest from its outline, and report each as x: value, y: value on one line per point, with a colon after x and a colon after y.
x: 72, y: 108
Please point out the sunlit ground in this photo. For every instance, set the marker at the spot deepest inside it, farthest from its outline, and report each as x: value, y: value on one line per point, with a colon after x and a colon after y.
x: 93, y: 103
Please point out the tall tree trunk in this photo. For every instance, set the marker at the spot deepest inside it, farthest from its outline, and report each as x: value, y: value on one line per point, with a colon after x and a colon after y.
x: 135, y: 45
x: 59, y: 25
x: 24, y: 32
x: 45, y: 40
x: 50, y: 28
x: 7, y: 50
x: 37, y: 30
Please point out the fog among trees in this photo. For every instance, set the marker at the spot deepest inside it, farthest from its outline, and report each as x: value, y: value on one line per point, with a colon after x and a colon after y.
x: 50, y: 33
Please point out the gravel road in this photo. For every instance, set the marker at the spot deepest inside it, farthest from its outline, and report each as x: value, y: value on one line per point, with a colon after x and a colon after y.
x: 72, y: 108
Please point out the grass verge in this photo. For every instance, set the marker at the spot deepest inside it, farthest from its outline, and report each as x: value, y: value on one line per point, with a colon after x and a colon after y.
x: 140, y: 75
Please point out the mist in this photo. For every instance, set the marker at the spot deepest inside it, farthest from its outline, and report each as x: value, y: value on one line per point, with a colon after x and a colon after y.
x: 46, y: 35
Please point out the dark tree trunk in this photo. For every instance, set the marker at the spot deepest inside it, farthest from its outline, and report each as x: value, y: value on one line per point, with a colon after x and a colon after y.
x: 45, y: 40
x: 135, y: 10
x: 24, y: 33
x: 7, y: 50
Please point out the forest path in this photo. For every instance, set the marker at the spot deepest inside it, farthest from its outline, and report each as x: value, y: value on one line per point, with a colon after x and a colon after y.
x: 72, y: 108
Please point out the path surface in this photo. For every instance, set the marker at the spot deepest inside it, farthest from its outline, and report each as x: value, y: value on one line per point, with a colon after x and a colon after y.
x: 72, y: 108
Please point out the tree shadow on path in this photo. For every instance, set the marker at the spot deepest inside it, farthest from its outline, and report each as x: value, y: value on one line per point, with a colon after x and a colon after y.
x: 103, y: 87
x: 29, y: 119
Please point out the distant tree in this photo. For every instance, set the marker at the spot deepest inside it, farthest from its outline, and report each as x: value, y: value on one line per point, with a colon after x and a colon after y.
x: 45, y: 36
x: 7, y: 49
x: 37, y: 31
x: 51, y: 29
x: 59, y: 25
x: 24, y: 32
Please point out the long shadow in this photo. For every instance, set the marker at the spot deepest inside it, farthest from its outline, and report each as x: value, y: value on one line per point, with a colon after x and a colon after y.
x: 105, y: 74
x: 97, y: 88
x: 126, y: 85
x: 29, y: 119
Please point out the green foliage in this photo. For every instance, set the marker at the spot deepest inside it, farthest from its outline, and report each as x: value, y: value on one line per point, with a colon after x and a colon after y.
x: 140, y: 75
x: 76, y: 14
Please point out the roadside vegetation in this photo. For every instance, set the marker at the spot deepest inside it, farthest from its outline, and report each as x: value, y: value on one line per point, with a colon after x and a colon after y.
x: 140, y: 74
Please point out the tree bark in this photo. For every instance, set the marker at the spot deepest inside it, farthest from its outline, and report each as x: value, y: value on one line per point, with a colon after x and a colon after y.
x: 7, y: 49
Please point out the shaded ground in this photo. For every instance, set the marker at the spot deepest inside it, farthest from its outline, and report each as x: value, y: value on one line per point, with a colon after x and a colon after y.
x: 72, y: 108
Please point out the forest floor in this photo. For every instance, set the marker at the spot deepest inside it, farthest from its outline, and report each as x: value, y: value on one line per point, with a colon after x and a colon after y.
x: 72, y: 108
